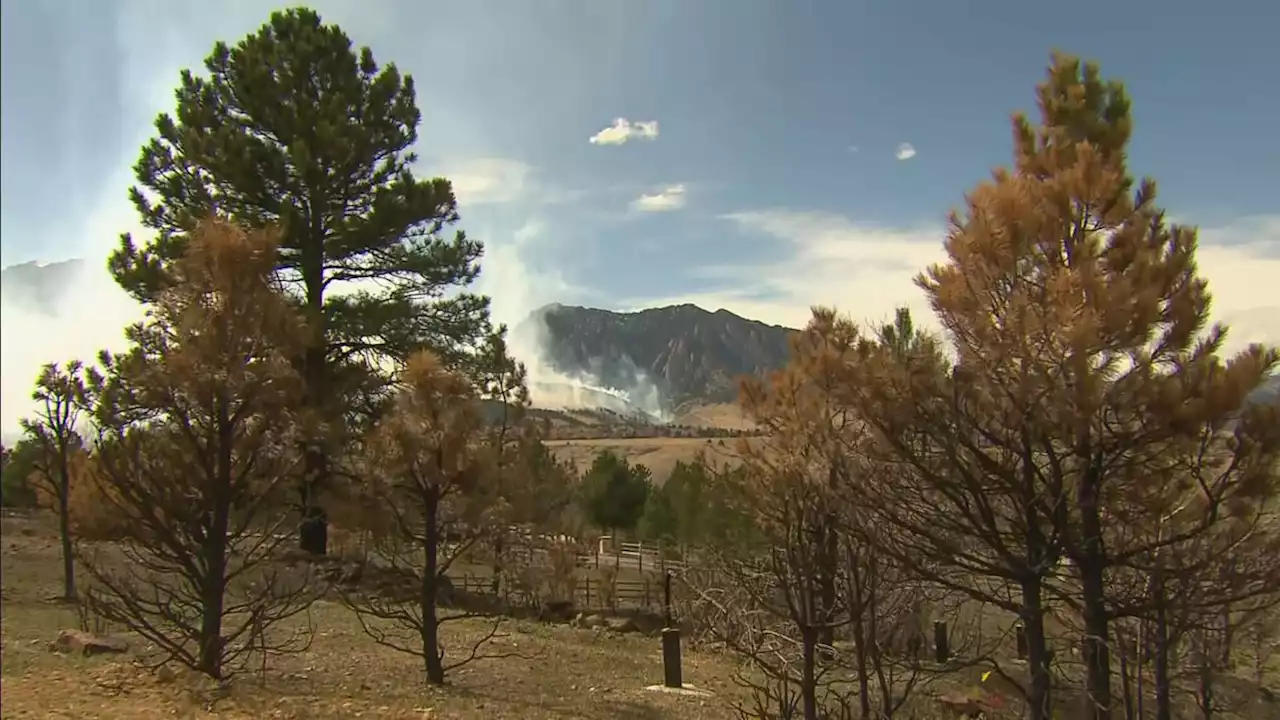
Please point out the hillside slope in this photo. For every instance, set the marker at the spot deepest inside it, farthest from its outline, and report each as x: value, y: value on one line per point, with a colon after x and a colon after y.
x: 687, y: 352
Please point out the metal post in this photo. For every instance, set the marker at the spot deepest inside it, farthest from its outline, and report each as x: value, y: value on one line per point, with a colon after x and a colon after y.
x: 671, y: 675
x: 942, y: 649
x: 666, y: 595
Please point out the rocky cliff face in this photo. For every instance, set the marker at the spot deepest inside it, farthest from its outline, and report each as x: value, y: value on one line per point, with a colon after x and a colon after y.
x: 37, y: 287
x: 686, y: 352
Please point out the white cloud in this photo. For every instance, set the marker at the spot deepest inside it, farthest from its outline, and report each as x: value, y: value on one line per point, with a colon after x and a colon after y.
x: 906, y: 151
x: 92, y: 313
x: 867, y: 271
x: 479, y: 181
x: 671, y: 197
x: 623, y: 130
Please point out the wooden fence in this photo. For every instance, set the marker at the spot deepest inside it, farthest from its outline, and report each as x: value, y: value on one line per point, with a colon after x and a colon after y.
x: 638, y: 556
x: 589, y: 593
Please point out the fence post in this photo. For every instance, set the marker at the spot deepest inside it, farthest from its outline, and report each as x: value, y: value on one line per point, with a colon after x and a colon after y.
x: 1020, y: 637
x: 671, y: 675
x: 587, y: 588
x: 640, y: 556
x: 646, y: 594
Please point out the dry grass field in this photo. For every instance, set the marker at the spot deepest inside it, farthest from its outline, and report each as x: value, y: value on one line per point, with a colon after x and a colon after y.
x: 573, y: 673
x: 659, y: 454
x: 561, y: 671
x: 715, y: 415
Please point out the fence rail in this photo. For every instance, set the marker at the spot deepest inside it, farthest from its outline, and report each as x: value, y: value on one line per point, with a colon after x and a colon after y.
x: 649, y: 593
x: 637, y: 556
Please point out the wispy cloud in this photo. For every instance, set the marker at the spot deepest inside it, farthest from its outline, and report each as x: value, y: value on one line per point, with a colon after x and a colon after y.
x: 906, y: 151
x: 623, y: 130
x: 671, y: 197
x: 868, y: 270
x: 482, y: 181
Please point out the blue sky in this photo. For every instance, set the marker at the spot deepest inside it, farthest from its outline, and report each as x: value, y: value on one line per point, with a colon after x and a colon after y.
x: 773, y: 174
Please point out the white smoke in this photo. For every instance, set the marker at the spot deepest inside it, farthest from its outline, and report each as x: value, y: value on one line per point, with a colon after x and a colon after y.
x: 88, y: 314
x: 517, y: 293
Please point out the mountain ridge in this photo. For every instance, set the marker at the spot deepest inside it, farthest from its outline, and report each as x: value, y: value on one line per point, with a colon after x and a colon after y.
x: 659, y: 358
x: 681, y: 352
x: 38, y: 286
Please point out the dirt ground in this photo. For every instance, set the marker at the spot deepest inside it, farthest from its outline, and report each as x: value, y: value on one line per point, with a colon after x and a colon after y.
x: 559, y: 671
x: 572, y: 674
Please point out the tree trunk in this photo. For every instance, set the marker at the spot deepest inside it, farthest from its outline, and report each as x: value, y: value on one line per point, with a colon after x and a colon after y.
x: 215, y: 565
x: 1205, y: 691
x: 1096, y: 651
x: 1163, y: 682
x: 828, y: 554
x: 1032, y: 615
x: 1204, y: 688
x: 1091, y: 566
x: 808, y: 673
x: 313, y: 530
x: 64, y: 528
x: 214, y: 551
x: 1126, y: 674
x: 858, y: 626
x: 431, y: 655
x: 1141, y: 658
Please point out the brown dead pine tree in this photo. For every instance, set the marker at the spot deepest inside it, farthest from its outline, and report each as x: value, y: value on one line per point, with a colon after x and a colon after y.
x: 1192, y: 551
x: 195, y: 457
x: 789, y: 493
x: 962, y: 500
x: 812, y: 576
x: 62, y: 395
x: 1076, y: 314
x: 505, y: 394
x: 429, y: 466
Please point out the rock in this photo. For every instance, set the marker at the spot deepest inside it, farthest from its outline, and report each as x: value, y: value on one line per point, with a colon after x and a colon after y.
x: 558, y: 611
x: 589, y: 622
x: 961, y: 706
x: 87, y: 643
x: 622, y: 625
x: 351, y: 576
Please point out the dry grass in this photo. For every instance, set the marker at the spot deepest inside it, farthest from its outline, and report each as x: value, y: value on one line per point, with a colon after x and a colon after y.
x: 563, y: 672
x: 659, y: 454
x: 574, y: 673
x: 716, y: 415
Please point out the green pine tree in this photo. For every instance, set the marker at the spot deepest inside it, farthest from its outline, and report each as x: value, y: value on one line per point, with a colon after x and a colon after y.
x: 293, y: 126
x: 614, y: 492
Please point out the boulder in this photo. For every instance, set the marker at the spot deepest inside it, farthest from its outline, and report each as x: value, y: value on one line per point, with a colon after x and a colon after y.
x: 87, y: 643
x: 589, y: 622
x: 961, y: 706
x: 622, y: 625
x: 557, y: 611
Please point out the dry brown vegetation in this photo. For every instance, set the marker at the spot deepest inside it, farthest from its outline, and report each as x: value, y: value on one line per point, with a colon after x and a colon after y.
x: 658, y: 454
x: 1064, y: 507
x: 578, y: 673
